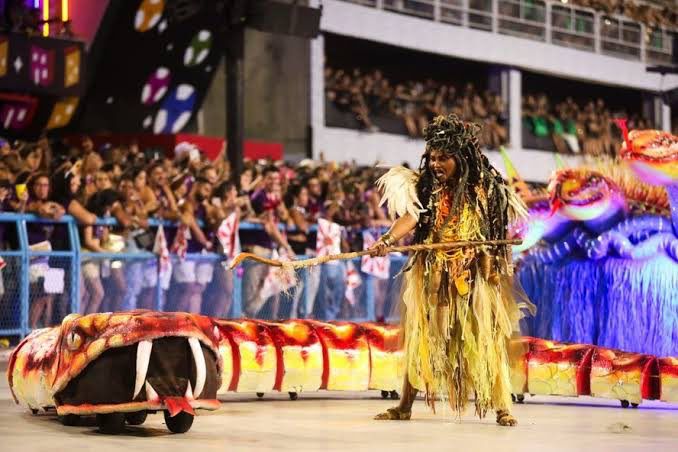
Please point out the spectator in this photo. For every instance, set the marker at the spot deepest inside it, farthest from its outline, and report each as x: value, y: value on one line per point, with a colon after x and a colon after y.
x: 193, y: 276
x: 269, y: 210
x: 39, y: 235
x: 218, y: 301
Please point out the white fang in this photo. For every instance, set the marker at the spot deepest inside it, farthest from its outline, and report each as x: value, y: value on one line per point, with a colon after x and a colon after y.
x: 200, y: 368
x: 143, y: 359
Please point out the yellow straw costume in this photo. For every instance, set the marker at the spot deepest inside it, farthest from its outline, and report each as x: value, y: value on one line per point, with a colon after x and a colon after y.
x: 456, y: 324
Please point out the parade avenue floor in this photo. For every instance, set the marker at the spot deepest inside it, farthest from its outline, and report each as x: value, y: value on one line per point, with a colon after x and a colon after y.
x: 343, y: 422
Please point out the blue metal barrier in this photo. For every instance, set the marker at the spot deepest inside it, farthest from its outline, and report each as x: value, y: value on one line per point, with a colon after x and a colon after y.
x: 15, y: 304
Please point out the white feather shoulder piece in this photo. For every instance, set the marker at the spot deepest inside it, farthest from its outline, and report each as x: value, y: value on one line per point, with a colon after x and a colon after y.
x: 399, y: 192
x: 517, y: 208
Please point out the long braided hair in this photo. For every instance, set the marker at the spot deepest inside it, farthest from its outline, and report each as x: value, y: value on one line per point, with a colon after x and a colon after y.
x: 474, y: 176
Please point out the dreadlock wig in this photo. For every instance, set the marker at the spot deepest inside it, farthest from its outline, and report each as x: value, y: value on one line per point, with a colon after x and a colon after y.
x: 459, y: 308
x: 476, y: 182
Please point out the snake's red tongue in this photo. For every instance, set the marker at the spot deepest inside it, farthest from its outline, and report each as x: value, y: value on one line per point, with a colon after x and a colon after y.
x: 176, y: 405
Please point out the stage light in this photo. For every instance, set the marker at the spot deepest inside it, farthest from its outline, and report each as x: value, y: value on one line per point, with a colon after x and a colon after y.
x: 64, y: 10
x: 45, y: 17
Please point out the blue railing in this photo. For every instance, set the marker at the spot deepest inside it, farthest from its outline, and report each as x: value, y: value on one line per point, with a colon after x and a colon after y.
x: 15, y: 305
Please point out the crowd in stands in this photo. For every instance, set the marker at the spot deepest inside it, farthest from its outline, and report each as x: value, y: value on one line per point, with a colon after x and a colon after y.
x: 124, y: 182
x: 574, y: 127
x: 414, y: 102
x: 661, y: 14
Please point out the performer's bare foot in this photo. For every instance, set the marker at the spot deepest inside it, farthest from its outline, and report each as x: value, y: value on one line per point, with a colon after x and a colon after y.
x: 394, y: 414
x: 402, y: 412
x: 505, y: 419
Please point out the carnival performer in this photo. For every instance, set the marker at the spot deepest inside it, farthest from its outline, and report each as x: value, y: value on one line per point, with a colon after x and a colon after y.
x: 460, y: 307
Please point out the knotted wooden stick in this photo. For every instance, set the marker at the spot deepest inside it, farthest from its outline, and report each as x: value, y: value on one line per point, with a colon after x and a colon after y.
x: 303, y: 263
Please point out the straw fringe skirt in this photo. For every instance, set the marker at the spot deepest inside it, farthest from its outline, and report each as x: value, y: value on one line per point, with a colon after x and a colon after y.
x: 458, y: 347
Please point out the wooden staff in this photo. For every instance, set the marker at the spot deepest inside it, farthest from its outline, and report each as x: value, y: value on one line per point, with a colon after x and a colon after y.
x: 303, y: 263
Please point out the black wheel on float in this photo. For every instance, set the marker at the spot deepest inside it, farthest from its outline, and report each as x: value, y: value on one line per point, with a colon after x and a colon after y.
x: 625, y: 403
x: 34, y: 411
x: 111, y: 423
x: 181, y: 423
x: 384, y: 394
x: 394, y: 395
x: 634, y: 405
x: 513, y: 398
x: 69, y: 420
x: 260, y: 394
x: 136, y: 418
x: 520, y: 398
x: 293, y: 395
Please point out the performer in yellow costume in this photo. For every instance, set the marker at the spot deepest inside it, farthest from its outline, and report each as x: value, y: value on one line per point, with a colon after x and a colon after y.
x: 460, y: 308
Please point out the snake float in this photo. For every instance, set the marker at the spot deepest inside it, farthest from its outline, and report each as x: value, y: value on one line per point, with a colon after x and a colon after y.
x: 121, y: 366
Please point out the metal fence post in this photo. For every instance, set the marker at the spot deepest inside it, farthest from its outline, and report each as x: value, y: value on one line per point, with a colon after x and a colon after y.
x: 158, y: 286
x: 495, y: 16
x: 369, y: 298
x: 74, y: 239
x: 597, y: 46
x: 465, y: 13
x: 236, y: 306
x: 548, y: 22
x: 24, y: 299
x: 643, y: 43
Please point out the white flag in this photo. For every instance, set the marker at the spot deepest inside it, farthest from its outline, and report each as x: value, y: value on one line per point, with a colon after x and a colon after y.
x: 353, y: 281
x: 228, y: 237
x: 164, y: 260
x: 379, y: 267
x: 329, y: 238
x: 180, y: 245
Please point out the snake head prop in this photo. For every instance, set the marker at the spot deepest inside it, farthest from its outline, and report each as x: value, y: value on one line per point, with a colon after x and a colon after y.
x: 584, y: 195
x: 120, y: 362
x: 652, y: 155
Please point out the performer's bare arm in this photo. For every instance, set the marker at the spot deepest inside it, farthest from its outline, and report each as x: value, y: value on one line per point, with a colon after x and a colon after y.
x: 399, y: 229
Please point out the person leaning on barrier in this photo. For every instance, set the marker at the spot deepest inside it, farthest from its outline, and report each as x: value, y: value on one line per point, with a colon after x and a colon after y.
x: 164, y: 204
x: 217, y: 299
x: 192, y: 276
x: 93, y: 239
x: 269, y: 210
x: 39, y: 236
x: 66, y: 183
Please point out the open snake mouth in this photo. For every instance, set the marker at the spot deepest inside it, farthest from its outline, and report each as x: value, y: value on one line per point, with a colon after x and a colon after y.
x: 651, y: 146
x: 582, y: 195
x: 174, y: 372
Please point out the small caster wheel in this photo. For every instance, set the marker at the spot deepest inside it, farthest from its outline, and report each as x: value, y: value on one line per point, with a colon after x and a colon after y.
x: 520, y: 398
x: 384, y: 394
x: 34, y: 411
x: 260, y: 394
x: 136, y: 418
x: 69, y: 420
x: 634, y: 405
x: 513, y: 398
x: 181, y: 423
x: 625, y: 403
x: 111, y: 423
x: 293, y: 395
x: 394, y: 395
